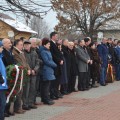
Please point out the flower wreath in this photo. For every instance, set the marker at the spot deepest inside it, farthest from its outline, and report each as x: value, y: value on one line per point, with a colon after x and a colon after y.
x: 16, y: 78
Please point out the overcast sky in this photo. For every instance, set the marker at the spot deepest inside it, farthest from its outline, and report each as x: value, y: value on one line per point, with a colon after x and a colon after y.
x: 50, y: 18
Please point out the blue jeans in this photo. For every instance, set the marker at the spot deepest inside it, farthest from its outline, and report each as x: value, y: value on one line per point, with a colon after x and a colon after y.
x: 2, y: 104
x: 117, y: 68
x: 103, y: 75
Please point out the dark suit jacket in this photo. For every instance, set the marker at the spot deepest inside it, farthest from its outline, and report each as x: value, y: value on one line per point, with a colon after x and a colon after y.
x: 57, y: 56
x: 111, y: 52
x: 103, y: 54
x: 7, y: 58
x: 67, y: 57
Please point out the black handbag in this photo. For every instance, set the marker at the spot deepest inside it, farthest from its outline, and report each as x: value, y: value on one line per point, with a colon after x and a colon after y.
x: 1, y: 79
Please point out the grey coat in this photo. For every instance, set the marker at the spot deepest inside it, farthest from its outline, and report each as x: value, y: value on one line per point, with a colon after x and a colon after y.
x: 82, y: 58
x: 32, y: 59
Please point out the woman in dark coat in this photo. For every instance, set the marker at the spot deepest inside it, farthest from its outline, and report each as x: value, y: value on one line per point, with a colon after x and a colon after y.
x: 47, y: 71
x: 64, y: 79
x: 95, y: 67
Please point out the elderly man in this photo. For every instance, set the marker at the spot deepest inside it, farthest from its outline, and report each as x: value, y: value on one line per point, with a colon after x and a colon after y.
x: 20, y: 58
x: 73, y: 68
x: 8, y: 59
x: 35, y: 49
x: 7, y: 52
x: 33, y: 62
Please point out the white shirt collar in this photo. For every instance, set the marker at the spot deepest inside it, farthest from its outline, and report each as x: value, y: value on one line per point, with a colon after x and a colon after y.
x: 53, y: 41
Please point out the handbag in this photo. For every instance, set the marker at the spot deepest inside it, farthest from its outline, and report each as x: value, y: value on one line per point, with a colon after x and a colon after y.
x: 1, y: 79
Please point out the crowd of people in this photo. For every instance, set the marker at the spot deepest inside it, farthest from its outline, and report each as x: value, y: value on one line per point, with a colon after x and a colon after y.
x: 53, y: 66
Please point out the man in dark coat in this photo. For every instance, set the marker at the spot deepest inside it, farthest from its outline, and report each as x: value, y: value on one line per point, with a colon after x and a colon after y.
x: 8, y: 59
x: 29, y: 90
x: 57, y: 58
x: 83, y: 59
x: 87, y: 43
x: 67, y: 56
x: 103, y: 54
x: 111, y: 51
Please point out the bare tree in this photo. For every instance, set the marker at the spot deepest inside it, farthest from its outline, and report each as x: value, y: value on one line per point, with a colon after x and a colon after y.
x: 37, y: 8
x: 84, y: 15
x: 41, y: 27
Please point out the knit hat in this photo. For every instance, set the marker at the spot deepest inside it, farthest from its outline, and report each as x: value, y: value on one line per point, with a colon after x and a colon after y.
x: 1, y: 44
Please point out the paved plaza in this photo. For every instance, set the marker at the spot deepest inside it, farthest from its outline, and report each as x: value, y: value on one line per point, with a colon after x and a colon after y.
x: 102, y: 103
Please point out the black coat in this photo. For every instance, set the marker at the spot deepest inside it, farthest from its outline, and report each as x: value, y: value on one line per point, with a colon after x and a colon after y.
x: 57, y: 57
x: 74, y: 68
x: 7, y: 58
x: 111, y: 53
x: 67, y: 56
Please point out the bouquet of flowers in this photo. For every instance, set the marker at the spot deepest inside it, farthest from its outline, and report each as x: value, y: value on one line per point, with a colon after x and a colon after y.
x: 16, y: 77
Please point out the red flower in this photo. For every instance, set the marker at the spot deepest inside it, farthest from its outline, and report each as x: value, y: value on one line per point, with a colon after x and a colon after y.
x: 21, y: 67
x: 14, y: 69
x: 13, y: 74
x: 12, y: 81
x: 14, y: 92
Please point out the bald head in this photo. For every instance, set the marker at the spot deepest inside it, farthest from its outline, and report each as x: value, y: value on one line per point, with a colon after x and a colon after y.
x: 7, y: 44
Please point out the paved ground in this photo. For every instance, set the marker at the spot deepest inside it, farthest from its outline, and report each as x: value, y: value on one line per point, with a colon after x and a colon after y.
x: 101, y: 103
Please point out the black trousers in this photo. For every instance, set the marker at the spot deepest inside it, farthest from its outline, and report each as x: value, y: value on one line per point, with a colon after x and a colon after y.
x: 88, y: 76
x: 64, y: 88
x: 45, y: 90
x: 82, y: 80
x: 54, y: 87
x: 71, y: 83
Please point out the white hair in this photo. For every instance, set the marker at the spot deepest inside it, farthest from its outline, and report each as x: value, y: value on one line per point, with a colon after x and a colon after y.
x: 31, y: 39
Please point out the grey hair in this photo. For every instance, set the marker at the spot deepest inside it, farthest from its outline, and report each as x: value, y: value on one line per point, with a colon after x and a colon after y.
x: 32, y: 39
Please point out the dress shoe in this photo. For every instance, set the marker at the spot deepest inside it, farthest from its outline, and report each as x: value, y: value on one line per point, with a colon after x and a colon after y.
x: 6, y: 115
x: 75, y: 91
x: 103, y: 84
x: 20, y: 112
x: 11, y: 114
x: 94, y: 86
x: 85, y: 89
x: 81, y: 89
x: 65, y: 93
x: 33, y: 107
x: 36, y: 103
x: 59, y: 96
x: 49, y: 102
x: 26, y: 108
x: 54, y: 97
